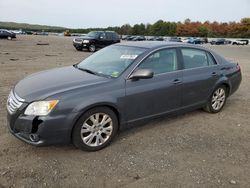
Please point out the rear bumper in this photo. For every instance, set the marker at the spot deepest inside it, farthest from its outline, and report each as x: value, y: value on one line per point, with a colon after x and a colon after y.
x: 235, y: 82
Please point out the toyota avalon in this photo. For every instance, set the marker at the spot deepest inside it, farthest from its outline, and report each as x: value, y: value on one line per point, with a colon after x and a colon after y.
x: 88, y: 103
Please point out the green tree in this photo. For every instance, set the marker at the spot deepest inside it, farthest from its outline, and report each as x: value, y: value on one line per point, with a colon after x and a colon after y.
x: 139, y: 29
x: 125, y: 30
x: 203, y: 31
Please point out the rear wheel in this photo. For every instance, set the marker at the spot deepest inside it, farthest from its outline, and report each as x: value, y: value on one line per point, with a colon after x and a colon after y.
x: 217, y: 100
x: 95, y: 129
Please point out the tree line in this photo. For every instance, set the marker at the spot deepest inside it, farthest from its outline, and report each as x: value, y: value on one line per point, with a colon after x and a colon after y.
x: 188, y: 28
x: 160, y: 28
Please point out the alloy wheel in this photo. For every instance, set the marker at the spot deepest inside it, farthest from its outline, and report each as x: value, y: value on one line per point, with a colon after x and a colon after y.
x: 218, y: 99
x: 92, y: 48
x: 96, y: 129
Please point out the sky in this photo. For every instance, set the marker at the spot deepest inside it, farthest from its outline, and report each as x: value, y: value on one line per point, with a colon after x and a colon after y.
x: 104, y: 13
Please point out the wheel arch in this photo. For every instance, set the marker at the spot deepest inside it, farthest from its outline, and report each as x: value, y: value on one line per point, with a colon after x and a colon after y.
x: 111, y: 106
x: 227, y: 86
x: 225, y: 82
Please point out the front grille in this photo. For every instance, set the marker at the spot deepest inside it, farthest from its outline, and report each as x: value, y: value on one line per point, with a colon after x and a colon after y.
x: 14, y: 102
x: 78, y: 40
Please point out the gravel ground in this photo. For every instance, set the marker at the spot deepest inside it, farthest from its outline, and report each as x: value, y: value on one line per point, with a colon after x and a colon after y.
x: 196, y: 149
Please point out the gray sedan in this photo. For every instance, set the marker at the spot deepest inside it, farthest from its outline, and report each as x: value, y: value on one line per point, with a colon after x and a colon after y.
x: 88, y: 103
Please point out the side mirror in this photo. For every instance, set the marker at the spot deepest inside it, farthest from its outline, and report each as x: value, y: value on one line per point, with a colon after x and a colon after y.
x: 142, y: 74
x: 102, y: 37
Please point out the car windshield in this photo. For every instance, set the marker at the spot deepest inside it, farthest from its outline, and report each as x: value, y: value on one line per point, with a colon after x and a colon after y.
x: 110, y: 61
x: 93, y: 34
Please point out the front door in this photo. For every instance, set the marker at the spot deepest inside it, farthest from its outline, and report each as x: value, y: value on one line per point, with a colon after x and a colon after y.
x: 158, y: 95
x: 102, y: 42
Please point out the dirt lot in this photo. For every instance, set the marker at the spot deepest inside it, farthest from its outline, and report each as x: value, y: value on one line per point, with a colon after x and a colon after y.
x: 192, y: 150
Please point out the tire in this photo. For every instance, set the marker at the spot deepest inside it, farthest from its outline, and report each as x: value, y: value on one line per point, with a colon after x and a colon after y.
x: 92, y: 48
x: 79, y: 49
x: 89, y: 135
x: 9, y: 38
x: 217, y: 100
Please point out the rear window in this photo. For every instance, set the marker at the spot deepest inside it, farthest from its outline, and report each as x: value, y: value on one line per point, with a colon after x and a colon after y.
x: 194, y: 58
x: 211, y: 60
x: 109, y: 36
x: 115, y: 36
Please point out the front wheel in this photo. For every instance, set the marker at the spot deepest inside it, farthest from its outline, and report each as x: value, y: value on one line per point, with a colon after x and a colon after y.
x: 79, y: 48
x: 92, y: 48
x: 95, y: 129
x: 217, y: 100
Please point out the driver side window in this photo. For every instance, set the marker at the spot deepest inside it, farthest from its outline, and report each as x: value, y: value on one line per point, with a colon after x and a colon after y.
x: 103, y: 36
x: 161, y: 61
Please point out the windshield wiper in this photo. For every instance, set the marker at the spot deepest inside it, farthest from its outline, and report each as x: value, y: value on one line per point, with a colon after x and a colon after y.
x: 86, y: 70
x: 92, y: 72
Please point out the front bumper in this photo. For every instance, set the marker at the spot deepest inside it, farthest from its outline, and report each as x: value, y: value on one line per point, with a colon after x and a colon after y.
x: 40, y: 131
x: 80, y: 45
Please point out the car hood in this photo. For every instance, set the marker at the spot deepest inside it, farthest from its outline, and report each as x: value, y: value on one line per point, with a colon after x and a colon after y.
x: 43, y: 84
x: 85, y: 38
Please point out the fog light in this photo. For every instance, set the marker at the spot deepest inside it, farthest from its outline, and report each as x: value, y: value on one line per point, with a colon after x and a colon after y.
x: 34, y: 137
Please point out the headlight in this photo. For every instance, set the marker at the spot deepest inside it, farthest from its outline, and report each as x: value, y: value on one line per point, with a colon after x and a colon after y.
x: 40, y: 108
x: 85, y: 41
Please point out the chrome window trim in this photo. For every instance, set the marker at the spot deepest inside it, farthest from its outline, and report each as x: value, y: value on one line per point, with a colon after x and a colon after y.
x: 155, y: 50
x: 178, y: 70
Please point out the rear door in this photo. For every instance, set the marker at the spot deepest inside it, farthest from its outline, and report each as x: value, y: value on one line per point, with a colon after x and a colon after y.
x: 109, y: 39
x: 200, y: 73
x: 158, y: 95
x: 115, y: 37
x: 102, y: 42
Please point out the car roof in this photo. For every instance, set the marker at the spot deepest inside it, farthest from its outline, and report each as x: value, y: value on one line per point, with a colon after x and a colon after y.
x: 5, y: 30
x: 159, y: 44
x: 103, y: 31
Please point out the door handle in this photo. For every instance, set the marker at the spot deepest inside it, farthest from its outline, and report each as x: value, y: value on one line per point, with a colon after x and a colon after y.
x: 177, y: 81
x: 214, y: 73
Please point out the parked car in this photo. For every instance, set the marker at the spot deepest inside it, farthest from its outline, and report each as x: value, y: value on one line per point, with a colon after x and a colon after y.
x: 43, y: 33
x: 159, y: 39
x: 124, y: 37
x: 186, y: 39
x: 150, y: 38
x: 220, y: 42
x: 4, y: 33
x: 139, y: 38
x: 194, y: 41
x: 175, y: 39
x: 130, y: 38
x: 204, y: 40
x: 88, y: 103
x: 240, y: 42
x: 29, y: 32
x: 96, y: 39
x: 18, y: 32
x: 156, y: 39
